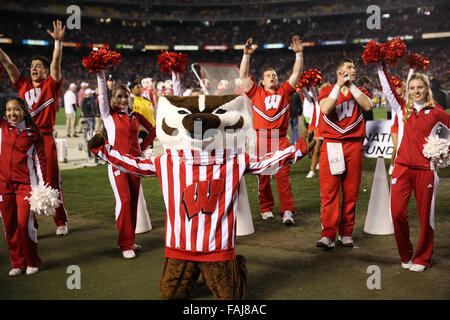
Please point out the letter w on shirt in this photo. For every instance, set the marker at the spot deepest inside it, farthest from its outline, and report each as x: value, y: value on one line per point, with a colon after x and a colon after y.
x: 32, y: 96
x: 345, y: 109
x: 202, y: 197
x: 272, y: 102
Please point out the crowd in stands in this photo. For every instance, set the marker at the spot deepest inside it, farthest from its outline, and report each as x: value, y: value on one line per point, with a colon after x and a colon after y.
x: 140, y: 64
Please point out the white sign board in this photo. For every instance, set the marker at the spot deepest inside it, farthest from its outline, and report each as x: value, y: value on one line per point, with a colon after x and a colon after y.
x: 378, y: 142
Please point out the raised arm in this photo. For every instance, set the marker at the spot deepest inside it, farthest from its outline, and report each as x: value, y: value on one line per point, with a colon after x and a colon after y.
x: 297, y: 47
x: 103, y: 102
x: 394, y: 100
x: 10, y: 67
x: 247, y: 83
x: 58, y: 35
x: 176, y: 82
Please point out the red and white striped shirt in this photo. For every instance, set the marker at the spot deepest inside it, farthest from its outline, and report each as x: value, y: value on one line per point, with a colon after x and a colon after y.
x: 200, y: 191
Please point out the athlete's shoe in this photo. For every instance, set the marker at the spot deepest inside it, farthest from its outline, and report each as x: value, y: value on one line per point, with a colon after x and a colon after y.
x: 32, y: 270
x: 62, y: 230
x: 407, y: 265
x: 310, y: 174
x: 288, y: 218
x: 129, y: 254
x: 346, y: 241
x: 326, y: 243
x: 417, y: 268
x: 267, y: 215
x: 137, y: 246
x: 15, y: 272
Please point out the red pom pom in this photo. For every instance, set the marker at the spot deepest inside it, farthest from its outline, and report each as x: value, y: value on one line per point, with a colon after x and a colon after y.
x: 393, y: 50
x: 372, y: 52
x: 396, y: 82
x: 312, y: 77
x: 417, y: 62
x: 101, y: 59
x: 172, y: 61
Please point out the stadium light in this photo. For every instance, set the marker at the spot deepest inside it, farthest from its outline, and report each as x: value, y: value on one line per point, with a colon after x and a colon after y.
x: 215, y: 47
x: 186, y: 47
x: 274, y: 46
x: 32, y: 42
x: 156, y: 47
x: 5, y: 40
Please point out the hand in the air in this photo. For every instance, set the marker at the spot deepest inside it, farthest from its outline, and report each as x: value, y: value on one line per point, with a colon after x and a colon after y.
x: 296, y: 45
x: 58, y: 31
x: 248, y: 47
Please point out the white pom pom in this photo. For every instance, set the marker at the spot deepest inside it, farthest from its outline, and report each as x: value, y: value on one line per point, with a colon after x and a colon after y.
x: 436, y: 149
x: 44, y: 200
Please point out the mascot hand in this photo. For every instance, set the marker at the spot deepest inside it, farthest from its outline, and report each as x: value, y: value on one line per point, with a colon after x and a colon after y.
x: 96, y: 141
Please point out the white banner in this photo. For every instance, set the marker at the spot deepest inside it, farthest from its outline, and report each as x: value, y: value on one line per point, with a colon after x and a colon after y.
x: 378, y: 142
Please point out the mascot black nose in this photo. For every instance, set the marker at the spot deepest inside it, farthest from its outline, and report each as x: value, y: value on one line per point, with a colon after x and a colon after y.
x: 203, y: 120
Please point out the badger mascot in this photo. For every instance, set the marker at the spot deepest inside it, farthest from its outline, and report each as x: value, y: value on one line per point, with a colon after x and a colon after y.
x: 200, y: 171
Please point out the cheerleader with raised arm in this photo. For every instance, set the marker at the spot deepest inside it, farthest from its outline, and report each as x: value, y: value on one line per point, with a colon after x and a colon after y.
x: 122, y: 128
x: 418, y: 117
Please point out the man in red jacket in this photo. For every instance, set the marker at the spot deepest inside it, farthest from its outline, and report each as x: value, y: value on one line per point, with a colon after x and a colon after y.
x: 341, y: 124
x: 271, y: 121
x: 41, y: 92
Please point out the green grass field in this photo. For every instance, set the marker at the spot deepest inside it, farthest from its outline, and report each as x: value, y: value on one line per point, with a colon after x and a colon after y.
x: 283, y: 262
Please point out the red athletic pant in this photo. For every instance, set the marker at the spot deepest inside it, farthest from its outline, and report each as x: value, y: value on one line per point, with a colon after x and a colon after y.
x: 330, y: 187
x: 282, y: 177
x: 424, y: 183
x: 126, y: 191
x: 20, y: 225
x: 54, y: 177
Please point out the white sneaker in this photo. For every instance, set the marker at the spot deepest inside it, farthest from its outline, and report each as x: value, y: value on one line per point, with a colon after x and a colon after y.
x: 326, y: 243
x: 288, y: 218
x: 417, y: 268
x: 137, y: 247
x: 407, y: 265
x: 31, y: 270
x: 62, y: 230
x: 346, y: 241
x: 129, y: 254
x: 15, y: 272
x: 310, y: 174
x: 317, y: 167
x: 267, y: 215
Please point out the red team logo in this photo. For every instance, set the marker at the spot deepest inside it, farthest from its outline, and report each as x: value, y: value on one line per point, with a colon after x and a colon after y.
x: 202, y: 197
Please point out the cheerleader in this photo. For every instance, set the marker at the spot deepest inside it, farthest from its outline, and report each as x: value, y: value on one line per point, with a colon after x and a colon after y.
x: 417, y: 117
x: 122, y: 129
x: 22, y: 159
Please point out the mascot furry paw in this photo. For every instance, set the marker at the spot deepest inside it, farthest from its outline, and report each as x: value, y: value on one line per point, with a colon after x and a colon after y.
x: 200, y: 173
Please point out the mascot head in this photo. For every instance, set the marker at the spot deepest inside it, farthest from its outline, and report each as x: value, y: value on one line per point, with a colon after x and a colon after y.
x: 205, y: 122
